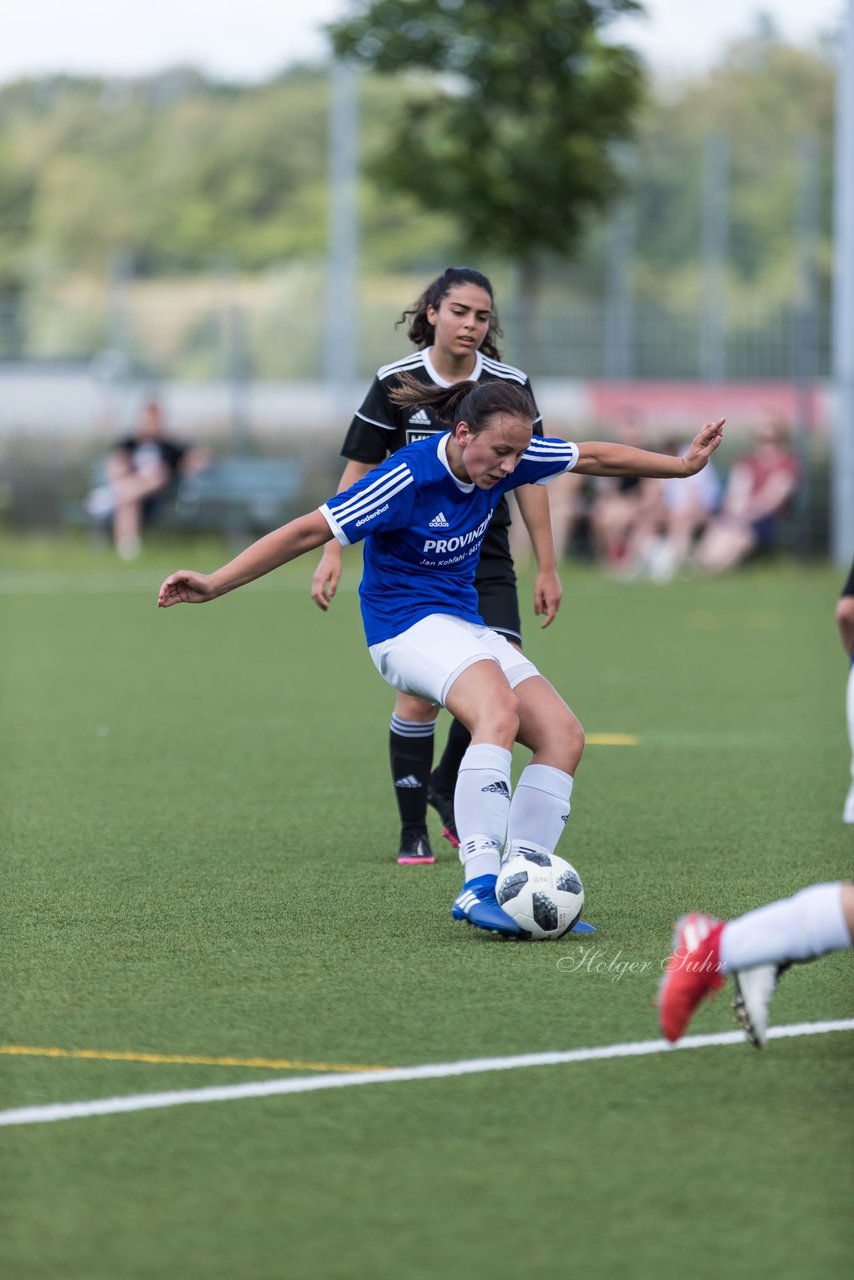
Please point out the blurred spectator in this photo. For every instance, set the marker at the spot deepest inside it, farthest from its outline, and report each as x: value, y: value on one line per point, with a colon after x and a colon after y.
x: 141, y: 471
x: 758, y: 491
x: 665, y: 537
x: 568, y: 507
x: 621, y: 510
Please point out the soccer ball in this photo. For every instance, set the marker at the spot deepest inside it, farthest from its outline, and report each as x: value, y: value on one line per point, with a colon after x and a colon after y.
x: 541, y: 892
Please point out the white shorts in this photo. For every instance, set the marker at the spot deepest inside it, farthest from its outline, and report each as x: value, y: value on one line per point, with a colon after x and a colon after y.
x: 426, y: 660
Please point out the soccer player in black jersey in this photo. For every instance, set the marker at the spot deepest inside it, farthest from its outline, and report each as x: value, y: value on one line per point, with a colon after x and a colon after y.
x: 454, y: 327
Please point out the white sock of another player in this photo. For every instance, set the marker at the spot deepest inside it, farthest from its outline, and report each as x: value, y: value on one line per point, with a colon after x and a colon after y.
x: 539, y: 809
x: 481, y: 805
x: 799, y: 928
x: 848, y: 812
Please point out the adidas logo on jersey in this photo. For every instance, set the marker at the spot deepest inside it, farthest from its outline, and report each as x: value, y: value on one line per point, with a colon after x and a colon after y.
x: 420, y: 417
x: 409, y: 783
x: 439, y: 522
x: 500, y: 789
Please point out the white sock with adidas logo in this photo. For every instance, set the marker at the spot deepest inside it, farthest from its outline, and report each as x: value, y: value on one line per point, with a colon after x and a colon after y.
x: 481, y: 806
x: 540, y: 808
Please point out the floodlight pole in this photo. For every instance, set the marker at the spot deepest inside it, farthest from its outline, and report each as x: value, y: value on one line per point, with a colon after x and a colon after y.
x: 842, y: 531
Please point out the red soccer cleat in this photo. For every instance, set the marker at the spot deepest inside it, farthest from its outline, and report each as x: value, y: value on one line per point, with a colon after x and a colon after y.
x: 693, y: 971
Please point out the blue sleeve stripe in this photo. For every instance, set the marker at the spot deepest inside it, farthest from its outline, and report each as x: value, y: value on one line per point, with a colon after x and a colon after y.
x: 550, y: 450
x: 374, y: 494
x: 359, y: 513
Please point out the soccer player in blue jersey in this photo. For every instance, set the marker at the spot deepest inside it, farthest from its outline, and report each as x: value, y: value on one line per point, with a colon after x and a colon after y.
x: 423, y: 514
x: 454, y: 327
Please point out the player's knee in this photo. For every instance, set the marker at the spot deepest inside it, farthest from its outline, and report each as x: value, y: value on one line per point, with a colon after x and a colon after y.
x: 500, y: 720
x: 572, y: 740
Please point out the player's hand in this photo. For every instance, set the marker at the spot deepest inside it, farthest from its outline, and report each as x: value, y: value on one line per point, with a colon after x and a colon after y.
x: 186, y: 587
x: 327, y: 575
x: 703, y: 446
x: 547, y: 596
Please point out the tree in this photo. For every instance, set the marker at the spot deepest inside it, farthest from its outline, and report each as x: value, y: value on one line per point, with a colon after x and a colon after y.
x: 512, y: 131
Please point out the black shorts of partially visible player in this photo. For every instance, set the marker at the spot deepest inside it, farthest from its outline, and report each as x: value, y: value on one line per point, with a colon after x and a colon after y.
x: 497, y: 596
x: 848, y: 589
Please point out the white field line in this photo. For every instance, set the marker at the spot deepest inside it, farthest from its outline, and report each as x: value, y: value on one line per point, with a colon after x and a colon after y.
x: 429, y: 1071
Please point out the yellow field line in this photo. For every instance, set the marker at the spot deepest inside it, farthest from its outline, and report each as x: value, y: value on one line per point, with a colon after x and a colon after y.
x: 612, y: 739
x: 183, y: 1059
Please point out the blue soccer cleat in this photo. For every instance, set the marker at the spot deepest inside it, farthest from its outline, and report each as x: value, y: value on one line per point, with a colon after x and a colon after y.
x: 477, y: 904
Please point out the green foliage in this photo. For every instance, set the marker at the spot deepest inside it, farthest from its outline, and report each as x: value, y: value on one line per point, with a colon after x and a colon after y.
x: 512, y: 133
x: 487, y: 132
x: 765, y: 99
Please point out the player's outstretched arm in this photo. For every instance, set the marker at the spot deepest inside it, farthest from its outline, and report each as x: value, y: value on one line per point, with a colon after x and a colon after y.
x: 601, y: 458
x: 268, y: 553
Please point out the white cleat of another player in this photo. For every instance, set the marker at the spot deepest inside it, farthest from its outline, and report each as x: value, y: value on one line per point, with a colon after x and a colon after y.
x: 753, y: 991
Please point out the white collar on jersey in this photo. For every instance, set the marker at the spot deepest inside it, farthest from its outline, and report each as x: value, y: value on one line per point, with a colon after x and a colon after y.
x: 443, y: 382
x: 442, y: 450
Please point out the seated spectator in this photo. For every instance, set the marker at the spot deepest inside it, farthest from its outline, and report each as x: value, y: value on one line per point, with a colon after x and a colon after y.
x: 622, y: 507
x: 568, y: 506
x: 758, y: 491
x: 141, y: 470
x: 664, y: 541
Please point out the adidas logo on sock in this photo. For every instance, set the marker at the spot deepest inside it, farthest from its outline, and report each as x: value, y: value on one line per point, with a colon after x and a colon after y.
x: 500, y: 789
x: 439, y: 522
x: 420, y: 418
x: 471, y: 847
x: 409, y: 783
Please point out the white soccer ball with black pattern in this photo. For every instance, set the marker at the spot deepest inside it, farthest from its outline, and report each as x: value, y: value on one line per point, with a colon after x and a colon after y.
x: 541, y: 892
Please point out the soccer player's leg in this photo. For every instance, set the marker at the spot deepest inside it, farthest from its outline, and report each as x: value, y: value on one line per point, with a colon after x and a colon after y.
x: 755, y: 948
x: 848, y: 809
x: 693, y: 972
x: 541, y: 801
x: 483, y: 700
x: 498, y: 603
x: 410, y: 758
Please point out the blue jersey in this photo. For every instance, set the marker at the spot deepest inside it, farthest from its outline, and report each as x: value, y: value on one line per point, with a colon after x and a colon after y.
x: 424, y: 529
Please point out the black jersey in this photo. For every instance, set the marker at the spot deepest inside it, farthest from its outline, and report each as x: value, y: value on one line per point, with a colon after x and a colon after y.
x: 381, y: 427
x: 142, y: 453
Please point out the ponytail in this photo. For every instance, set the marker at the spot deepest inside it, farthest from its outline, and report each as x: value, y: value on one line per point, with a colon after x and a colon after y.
x: 471, y: 402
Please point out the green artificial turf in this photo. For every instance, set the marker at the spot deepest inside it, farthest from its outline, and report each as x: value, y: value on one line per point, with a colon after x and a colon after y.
x: 199, y: 839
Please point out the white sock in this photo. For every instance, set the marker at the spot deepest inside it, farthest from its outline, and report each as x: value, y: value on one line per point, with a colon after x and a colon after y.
x: 539, y: 809
x: 481, y: 806
x: 799, y: 928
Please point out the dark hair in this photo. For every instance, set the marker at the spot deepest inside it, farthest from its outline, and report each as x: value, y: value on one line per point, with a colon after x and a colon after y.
x: 471, y: 402
x: 422, y: 332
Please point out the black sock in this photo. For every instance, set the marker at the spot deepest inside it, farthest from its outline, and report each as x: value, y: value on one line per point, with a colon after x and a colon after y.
x: 445, y: 774
x: 410, y: 748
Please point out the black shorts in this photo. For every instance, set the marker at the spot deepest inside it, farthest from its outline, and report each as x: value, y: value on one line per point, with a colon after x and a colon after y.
x: 495, y: 580
x: 848, y: 589
x: 498, y: 599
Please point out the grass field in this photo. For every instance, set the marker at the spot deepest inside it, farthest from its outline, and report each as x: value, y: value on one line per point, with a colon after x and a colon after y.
x: 199, y: 838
